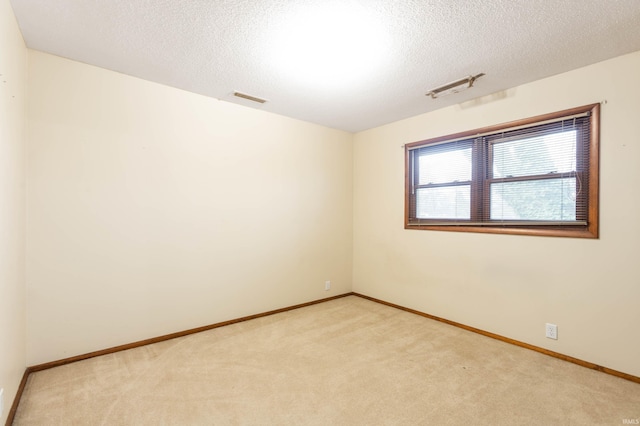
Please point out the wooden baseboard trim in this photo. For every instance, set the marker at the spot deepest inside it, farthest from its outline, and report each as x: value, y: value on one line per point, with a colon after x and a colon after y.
x: 40, y: 367
x: 145, y: 342
x: 558, y: 355
x: 16, y: 399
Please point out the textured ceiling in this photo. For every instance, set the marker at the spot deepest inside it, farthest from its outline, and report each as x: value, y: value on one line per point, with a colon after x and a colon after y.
x: 350, y: 65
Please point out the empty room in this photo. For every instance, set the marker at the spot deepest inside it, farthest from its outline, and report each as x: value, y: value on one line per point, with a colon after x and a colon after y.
x: 319, y: 212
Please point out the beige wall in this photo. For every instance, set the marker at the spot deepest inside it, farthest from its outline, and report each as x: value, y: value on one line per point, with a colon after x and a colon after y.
x: 505, y: 284
x: 153, y: 210
x: 13, y: 70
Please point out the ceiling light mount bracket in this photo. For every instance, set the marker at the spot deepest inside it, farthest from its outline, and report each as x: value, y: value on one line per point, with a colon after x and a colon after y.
x: 249, y: 97
x: 454, y: 86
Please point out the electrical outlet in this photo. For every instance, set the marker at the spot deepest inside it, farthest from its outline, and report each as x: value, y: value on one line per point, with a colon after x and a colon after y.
x: 551, y: 331
x: 327, y: 285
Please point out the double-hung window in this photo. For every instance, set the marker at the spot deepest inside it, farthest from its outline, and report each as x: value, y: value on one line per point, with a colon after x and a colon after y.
x: 536, y: 176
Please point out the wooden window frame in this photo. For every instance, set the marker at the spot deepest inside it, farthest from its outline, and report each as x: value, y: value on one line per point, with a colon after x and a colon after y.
x: 590, y: 230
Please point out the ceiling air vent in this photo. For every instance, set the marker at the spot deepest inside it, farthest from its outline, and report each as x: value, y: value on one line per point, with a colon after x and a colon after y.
x: 249, y: 97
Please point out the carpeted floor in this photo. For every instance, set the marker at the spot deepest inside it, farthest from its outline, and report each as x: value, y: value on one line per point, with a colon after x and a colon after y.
x: 348, y: 361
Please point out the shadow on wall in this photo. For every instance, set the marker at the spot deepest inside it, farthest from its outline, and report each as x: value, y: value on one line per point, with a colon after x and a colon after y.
x: 483, y: 100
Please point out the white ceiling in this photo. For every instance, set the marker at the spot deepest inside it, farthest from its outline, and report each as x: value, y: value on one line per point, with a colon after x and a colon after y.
x: 347, y: 64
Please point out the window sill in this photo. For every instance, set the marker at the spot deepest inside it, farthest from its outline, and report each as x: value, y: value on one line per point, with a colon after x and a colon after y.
x: 556, y: 231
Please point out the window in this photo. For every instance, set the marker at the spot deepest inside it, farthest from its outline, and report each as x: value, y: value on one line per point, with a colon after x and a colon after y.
x: 537, y: 176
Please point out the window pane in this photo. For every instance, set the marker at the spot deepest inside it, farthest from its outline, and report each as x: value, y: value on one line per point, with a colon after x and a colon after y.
x: 442, y: 166
x: 449, y: 202
x: 540, y: 155
x: 548, y: 199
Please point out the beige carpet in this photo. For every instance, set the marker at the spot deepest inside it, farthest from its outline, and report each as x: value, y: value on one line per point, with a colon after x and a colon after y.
x: 349, y: 361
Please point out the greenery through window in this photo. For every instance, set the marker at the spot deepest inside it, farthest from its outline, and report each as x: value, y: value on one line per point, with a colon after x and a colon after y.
x: 536, y: 176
